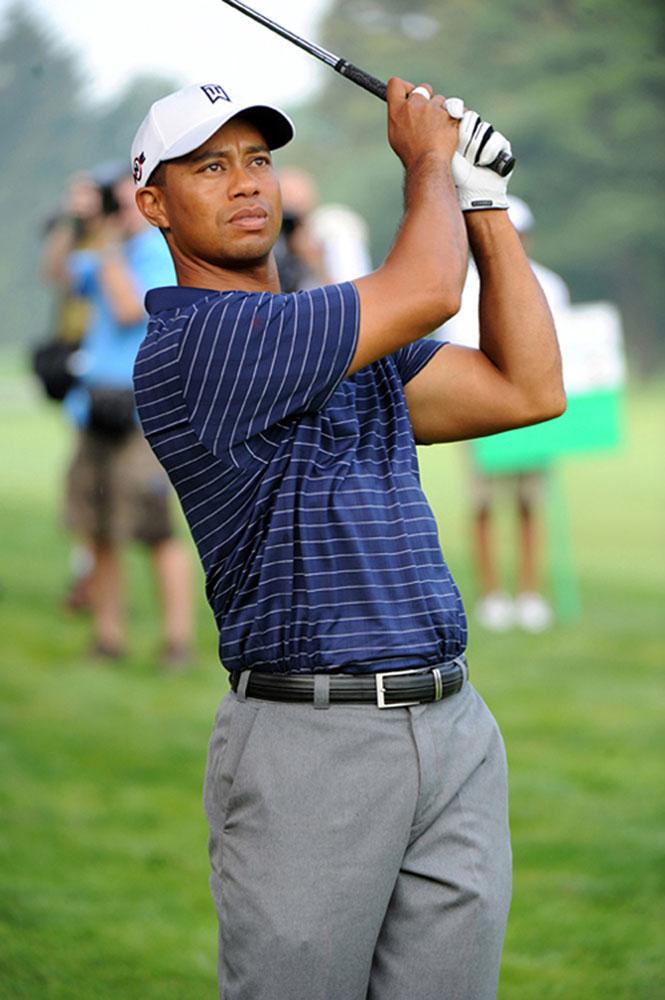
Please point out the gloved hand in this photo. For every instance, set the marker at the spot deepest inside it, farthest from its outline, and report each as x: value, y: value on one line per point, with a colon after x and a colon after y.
x: 479, y: 145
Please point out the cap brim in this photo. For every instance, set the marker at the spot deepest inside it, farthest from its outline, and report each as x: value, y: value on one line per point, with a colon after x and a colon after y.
x: 276, y: 128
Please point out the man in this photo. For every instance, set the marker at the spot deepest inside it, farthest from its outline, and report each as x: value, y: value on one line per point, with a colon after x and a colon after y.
x: 496, y: 609
x: 116, y: 491
x: 359, y: 847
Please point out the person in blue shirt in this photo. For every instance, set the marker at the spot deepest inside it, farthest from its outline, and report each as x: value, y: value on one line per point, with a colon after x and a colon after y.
x: 116, y: 491
x: 356, y: 782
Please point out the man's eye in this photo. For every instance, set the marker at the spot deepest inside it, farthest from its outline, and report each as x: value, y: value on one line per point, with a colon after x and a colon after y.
x: 214, y: 167
x: 263, y: 161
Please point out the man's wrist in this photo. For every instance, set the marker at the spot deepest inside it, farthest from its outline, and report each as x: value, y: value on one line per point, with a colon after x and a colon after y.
x: 489, y: 231
x: 429, y: 160
x: 429, y: 175
x: 488, y: 217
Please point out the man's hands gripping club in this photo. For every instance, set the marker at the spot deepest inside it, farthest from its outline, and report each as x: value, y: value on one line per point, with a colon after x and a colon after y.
x: 419, y: 123
x: 478, y: 145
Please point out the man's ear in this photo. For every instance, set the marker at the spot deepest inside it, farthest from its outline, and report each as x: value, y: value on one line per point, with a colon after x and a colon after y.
x: 150, y: 202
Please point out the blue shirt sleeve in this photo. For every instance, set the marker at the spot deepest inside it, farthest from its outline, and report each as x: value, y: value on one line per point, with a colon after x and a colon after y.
x: 412, y: 359
x: 250, y: 362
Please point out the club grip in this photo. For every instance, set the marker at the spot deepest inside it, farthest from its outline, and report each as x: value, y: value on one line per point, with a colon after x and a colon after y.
x: 504, y: 162
x: 363, y: 79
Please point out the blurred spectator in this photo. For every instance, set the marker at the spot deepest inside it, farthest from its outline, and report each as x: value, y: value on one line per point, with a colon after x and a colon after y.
x: 345, y: 238
x: 75, y: 224
x: 116, y: 489
x: 74, y: 228
x: 319, y: 245
x: 299, y: 253
x: 496, y: 608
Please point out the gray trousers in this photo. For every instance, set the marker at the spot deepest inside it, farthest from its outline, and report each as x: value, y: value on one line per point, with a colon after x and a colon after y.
x: 358, y: 853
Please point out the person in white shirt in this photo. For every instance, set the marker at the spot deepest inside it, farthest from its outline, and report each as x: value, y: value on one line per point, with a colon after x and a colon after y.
x: 330, y: 240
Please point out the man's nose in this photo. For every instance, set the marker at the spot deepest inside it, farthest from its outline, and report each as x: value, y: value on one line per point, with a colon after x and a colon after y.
x: 242, y: 183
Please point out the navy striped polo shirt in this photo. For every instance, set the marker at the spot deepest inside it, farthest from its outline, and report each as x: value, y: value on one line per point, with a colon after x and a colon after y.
x: 300, y: 486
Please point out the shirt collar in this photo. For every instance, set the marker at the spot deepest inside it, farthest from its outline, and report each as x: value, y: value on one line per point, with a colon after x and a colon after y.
x: 175, y: 297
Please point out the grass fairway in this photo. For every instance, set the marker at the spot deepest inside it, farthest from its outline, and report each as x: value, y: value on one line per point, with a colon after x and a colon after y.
x: 103, y: 862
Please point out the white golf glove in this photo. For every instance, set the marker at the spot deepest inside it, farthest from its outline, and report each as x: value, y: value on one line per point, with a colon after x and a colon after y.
x: 479, y: 145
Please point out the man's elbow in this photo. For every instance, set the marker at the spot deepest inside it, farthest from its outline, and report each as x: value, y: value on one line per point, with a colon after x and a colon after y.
x: 453, y: 304
x: 548, y: 404
x: 560, y: 404
x: 556, y: 394
x: 442, y: 305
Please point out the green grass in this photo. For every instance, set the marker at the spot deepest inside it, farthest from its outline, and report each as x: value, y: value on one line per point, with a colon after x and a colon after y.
x: 103, y: 866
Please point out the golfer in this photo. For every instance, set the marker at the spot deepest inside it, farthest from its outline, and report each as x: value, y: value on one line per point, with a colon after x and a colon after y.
x: 356, y: 782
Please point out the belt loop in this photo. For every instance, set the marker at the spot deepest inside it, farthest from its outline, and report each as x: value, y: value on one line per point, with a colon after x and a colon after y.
x: 321, y: 691
x: 243, y: 681
x: 461, y: 659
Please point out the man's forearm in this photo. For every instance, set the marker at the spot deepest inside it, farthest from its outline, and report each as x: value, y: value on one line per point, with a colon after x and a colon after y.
x: 432, y: 229
x: 516, y: 327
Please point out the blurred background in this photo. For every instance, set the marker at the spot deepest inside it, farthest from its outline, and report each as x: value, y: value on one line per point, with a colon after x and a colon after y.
x: 103, y: 866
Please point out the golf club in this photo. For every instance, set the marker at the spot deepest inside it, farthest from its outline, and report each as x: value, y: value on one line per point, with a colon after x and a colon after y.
x: 504, y: 162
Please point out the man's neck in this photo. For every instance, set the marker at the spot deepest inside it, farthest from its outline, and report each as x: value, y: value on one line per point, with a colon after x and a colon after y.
x: 259, y: 277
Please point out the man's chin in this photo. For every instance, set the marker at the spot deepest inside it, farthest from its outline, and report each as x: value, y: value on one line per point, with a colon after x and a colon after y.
x: 245, y: 257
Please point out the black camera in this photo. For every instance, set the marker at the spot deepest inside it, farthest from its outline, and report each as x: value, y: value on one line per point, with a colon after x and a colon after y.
x: 110, y: 204
x: 106, y: 176
x: 290, y: 222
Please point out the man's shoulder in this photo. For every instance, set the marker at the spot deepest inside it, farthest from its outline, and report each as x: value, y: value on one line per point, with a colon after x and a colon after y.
x: 171, y: 302
x: 194, y: 322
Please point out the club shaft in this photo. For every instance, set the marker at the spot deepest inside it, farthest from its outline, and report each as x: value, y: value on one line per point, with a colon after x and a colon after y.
x: 347, y: 69
x: 302, y: 43
x: 503, y: 163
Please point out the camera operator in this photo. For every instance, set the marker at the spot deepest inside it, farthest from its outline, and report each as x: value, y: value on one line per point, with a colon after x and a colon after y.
x: 116, y: 490
x: 300, y: 255
x: 53, y: 359
x: 319, y: 244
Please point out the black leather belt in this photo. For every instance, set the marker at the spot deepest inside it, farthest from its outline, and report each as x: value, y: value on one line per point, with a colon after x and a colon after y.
x: 387, y: 689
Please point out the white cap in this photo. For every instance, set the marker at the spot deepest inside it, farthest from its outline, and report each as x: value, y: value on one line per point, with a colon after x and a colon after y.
x: 182, y: 121
x: 520, y: 214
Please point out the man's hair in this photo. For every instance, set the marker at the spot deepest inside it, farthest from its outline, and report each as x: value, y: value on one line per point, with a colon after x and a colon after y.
x: 158, y: 179
x: 158, y: 176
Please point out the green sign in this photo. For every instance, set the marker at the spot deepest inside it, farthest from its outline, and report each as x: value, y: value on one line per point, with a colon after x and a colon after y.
x: 592, y: 422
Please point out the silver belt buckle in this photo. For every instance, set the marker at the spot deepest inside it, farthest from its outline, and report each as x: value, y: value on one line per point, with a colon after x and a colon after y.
x: 381, y: 691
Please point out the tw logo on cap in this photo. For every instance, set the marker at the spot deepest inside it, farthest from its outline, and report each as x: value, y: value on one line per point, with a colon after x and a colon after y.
x: 138, y: 167
x: 215, y: 92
